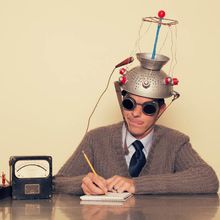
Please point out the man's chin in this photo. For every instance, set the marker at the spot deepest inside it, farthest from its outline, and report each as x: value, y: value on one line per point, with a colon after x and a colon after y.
x: 136, y: 132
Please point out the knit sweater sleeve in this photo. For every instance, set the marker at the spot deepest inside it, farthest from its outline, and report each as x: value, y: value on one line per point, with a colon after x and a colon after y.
x: 191, y: 175
x: 69, y: 178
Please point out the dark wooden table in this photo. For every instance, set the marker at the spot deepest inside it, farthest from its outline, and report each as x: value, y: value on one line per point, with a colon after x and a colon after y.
x: 149, y: 207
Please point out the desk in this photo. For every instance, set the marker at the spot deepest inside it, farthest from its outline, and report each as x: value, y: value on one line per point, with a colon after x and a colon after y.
x: 143, y: 207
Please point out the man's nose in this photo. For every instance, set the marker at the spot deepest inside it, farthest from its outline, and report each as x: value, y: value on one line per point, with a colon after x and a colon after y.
x: 137, y: 111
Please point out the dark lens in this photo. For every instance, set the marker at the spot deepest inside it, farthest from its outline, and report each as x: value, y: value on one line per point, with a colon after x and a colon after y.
x: 149, y: 108
x: 128, y: 104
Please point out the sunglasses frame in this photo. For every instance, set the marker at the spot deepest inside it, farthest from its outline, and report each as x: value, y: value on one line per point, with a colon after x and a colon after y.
x: 152, y: 103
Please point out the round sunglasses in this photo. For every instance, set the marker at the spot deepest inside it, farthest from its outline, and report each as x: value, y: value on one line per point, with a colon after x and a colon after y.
x: 148, y: 108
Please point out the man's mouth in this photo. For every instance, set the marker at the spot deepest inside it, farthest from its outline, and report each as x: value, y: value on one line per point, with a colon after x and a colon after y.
x: 135, y: 122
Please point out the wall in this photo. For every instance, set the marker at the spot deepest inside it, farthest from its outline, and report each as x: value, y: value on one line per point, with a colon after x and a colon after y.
x: 56, y: 56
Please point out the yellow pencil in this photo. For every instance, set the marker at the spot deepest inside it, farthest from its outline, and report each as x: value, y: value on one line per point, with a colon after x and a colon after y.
x: 90, y: 165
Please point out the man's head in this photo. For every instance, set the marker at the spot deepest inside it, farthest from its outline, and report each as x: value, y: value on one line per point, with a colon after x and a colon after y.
x: 144, y: 89
x: 140, y: 113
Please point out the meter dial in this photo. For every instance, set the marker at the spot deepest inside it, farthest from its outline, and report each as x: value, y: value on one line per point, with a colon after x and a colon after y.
x: 32, y: 168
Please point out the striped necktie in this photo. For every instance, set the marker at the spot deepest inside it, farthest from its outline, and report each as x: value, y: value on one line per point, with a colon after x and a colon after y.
x: 138, y: 159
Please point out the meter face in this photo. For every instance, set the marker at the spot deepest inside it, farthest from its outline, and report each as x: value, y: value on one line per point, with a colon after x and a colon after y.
x: 32, y: 168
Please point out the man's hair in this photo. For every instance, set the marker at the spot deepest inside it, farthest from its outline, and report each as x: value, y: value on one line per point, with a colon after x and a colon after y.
x: 160, y: 102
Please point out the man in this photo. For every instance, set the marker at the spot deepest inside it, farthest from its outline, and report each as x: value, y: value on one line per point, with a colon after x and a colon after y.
x: 137, y: 155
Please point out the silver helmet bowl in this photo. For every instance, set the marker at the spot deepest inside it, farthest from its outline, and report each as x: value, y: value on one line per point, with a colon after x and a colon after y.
x: 148, y: 80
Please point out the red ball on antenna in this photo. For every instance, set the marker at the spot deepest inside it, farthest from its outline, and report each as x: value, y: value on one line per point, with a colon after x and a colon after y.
x: 161, y: 14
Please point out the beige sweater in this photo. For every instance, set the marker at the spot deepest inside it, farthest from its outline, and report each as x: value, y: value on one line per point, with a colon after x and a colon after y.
x: 172, y: 165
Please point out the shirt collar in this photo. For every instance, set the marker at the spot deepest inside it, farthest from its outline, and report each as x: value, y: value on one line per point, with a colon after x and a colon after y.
x: 129, y: 138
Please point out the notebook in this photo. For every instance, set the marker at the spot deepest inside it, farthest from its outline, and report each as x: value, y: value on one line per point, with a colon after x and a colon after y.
x: 110, y: 196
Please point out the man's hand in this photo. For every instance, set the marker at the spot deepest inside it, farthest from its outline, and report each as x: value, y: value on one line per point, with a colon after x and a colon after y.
x: 120, y: 184
x: 94, y: 184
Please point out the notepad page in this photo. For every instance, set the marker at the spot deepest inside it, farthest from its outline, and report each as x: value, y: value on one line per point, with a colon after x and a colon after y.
x: 110, y: 196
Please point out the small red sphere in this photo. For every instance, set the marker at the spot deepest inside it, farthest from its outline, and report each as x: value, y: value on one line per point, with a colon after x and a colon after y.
x: 175, y: 81
x: 122, y: 79
x: 167, y: 80
x: 161, y: 14
x: 122, y: 71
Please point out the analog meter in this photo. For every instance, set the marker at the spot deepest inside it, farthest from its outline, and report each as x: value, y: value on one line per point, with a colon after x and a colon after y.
x: 31, y: 177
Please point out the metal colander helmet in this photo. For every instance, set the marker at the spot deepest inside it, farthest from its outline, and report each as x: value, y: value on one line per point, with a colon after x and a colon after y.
x: 148, y: 80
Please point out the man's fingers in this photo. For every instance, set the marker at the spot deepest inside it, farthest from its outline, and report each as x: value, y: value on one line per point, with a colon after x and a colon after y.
x: 120, y: 184
x: 93, y: 184
x: 112, y: 183
x: 123, y: 187
x: 100, y: 182
x: 85, y: 189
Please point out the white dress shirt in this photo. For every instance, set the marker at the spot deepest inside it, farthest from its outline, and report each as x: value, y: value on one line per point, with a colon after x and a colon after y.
x: 128, y: 139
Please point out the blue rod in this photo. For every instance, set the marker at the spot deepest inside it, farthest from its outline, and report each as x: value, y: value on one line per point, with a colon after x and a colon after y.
x: 155, y: 42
